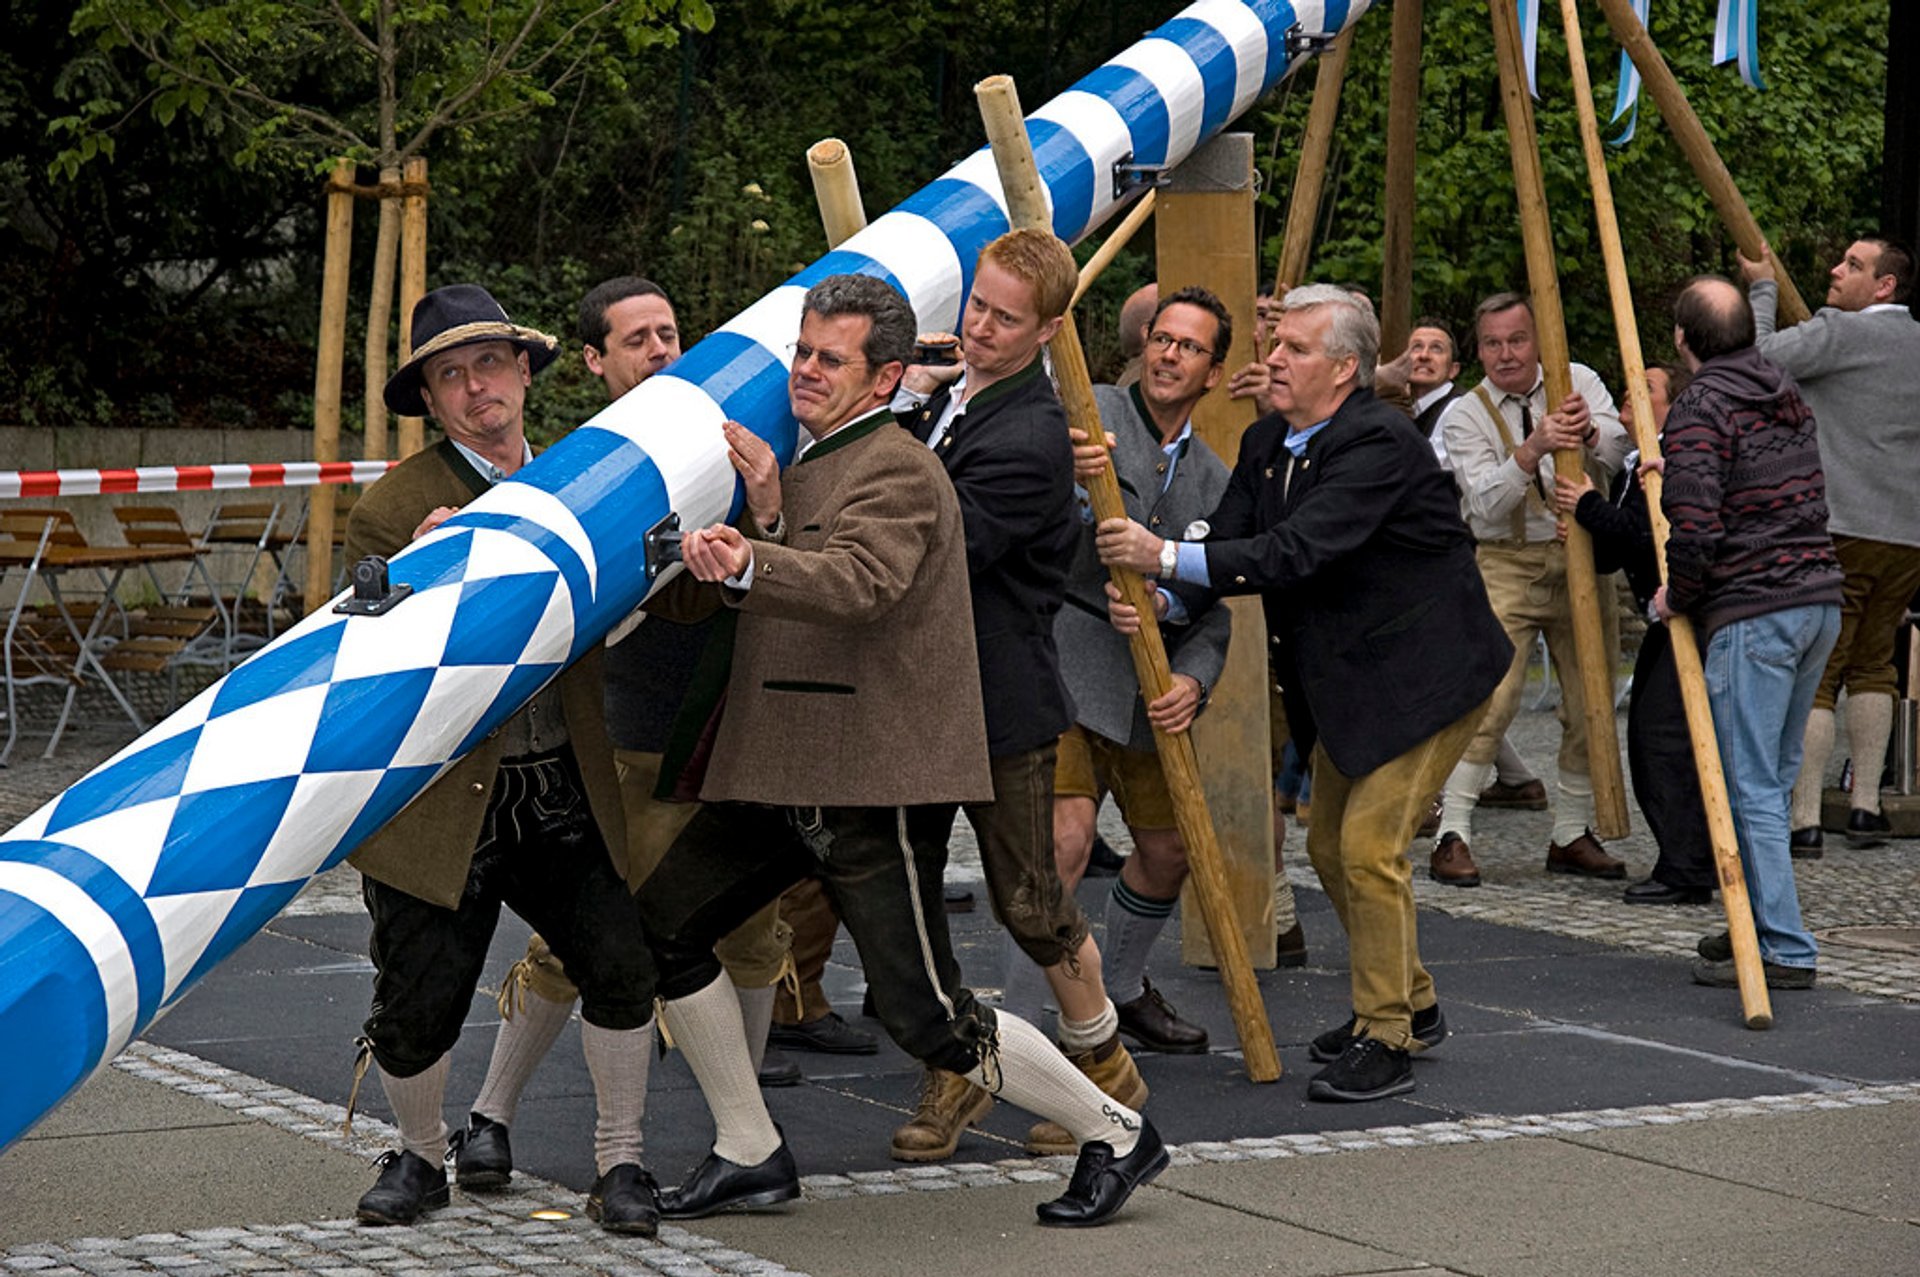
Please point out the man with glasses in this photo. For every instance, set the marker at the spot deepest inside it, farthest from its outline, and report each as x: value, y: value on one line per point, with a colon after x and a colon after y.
x: 852, y: 654
x: 1170, y: 479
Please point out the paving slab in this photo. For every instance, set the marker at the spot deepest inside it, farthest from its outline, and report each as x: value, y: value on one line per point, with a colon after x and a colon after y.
x: 1830, y: 1247
x: 991, y: 1230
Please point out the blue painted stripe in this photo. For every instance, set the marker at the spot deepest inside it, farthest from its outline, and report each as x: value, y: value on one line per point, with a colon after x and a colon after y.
x: 1275, y: 17
x: 1067, y: 170
x: 846, y: 261
x: 217, y: 836
x: 303, y: 661
x: 119, y: 901
x: 965, y: 214
x: 1139, y: 103
x: 1214, y: 59
x: 153, y: 774
x: 53, y: 1013
x: 366, y: 720
x: 255, y: 908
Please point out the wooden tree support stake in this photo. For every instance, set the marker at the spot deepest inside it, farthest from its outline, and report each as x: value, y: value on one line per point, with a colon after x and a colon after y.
x: 328, y: 367
x: 380, y: 316
x: 1027, y: 206
x: 1310, y: 178
x: 1403, y: 129
x: 1596, y: 663
x: 837, y: 190
x: 1755, y: 1004
x: 413, y: 285
x: 1698, y: 147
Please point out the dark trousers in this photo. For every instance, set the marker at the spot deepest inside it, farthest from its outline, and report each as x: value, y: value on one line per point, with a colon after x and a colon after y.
x: 882, y: 868
x: 540, y: 854
x: 1660, y: 757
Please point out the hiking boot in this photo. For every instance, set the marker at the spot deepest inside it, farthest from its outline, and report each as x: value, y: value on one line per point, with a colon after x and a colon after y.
x: 949, y: 1104
x: 1107, y: 1066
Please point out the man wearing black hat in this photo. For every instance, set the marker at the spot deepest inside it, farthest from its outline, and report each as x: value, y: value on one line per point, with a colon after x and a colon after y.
x: 531, y: 818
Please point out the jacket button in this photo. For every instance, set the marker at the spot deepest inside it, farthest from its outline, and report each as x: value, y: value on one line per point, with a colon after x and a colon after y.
x: 1269, y: 472
x: 1156, y: 520
x: 1239, y: 580
x: 476, y: 788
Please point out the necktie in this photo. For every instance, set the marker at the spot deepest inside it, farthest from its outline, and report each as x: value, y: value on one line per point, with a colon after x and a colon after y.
x: 1526, y: 416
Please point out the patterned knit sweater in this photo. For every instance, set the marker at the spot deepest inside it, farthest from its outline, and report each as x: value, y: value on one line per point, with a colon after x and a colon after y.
x: 1745, y: 495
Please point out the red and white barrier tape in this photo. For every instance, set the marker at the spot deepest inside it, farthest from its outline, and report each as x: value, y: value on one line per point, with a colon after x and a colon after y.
x: 287, y: 474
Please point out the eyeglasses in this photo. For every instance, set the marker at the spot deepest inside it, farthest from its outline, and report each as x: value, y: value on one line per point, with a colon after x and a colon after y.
x: 1162, y: 342
x: 828, y: 361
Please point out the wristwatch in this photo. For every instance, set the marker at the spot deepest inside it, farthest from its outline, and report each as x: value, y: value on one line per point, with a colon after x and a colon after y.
x: 1169, y: 558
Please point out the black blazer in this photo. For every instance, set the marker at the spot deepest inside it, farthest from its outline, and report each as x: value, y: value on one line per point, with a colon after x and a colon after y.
x: 1012, y: 467
x: 1430, y: 418
x: 1381, y: 627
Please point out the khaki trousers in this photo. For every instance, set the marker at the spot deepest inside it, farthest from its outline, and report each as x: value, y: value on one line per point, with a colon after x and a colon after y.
x: 1880, y: 582
x: 1358, y: 845
x: 1527, y: 586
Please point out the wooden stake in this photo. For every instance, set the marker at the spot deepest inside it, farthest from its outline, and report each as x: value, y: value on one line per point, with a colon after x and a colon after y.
x: 1698, y: 148
x: 1310, y: 178
x: 1596, y: 663
x: 1755, y: 1004
x: 413, y: 285
x: 328, y: 367
x: 1403, y: 129
x: 380, y: 319
x: 837, y: 189
x: 1110, y: 247
x: 1027, y: 206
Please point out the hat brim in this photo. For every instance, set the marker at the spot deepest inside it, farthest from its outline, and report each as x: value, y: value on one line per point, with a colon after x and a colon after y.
x: 402, y: 391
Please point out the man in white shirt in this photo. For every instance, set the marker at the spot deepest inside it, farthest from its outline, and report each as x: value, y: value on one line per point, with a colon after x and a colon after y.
x: 1500, y: 438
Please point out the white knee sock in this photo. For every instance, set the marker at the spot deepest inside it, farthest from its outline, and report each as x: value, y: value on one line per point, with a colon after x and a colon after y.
x: 706, y: 1027
x: 417, y: 1103
x: 1573, y: 807
x: 1509, y: 766
x: 756, y: 1020
x: 618, y: 1060
x: 523, y: 1042
x: 1462, y: 792
x: 1025, y: 991
x: 1031, y: 1072
x: 1811, y: 784
x: 1285, y: 914
x: 1869, y: 725
x: 1083, y: 1035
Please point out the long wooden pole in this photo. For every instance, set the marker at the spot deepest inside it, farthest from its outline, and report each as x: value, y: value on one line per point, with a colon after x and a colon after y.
x: 380, y: 318
x: 413, y: 284
x: 1756, y: 1006
x: 1310, y: 178
x: 1027, y: 206
x: 1110, y: 247
x: 1403, y: 129
x: 328, y: 365
x: 1596, y: 663
x: 837, y: 189
x: 1698, y: 148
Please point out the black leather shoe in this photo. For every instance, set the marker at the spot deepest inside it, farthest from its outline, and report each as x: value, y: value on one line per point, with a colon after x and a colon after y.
x: 1429, y: 1029
x: 1290, y: 947
x: 1867, y: 828
x: 719, y: 1185
x: 829, y: 1035
x: 408, y: 1185
x: 1102, y: 1183
x: 482, y: 1157
x: 1651, y: 891
x: 1149, y: 1021
x: 1368, y: 1069
x: 957, y: 899
x: 777, y: 1069
x: 626, y: 1200
x: 1103, y: 861
x: 1807, y: 844
x: 1717, y: 947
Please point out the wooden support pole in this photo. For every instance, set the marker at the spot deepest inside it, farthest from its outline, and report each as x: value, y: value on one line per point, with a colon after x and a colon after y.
x: 1756, y: 1006
x: 328, y: 367
x: 1698, y: 148
x: 1027, y: 206
x: 413, y: 285
x: 380, y: 318
x: 1596, y: 663
x: 1204, y: 236
x: 1310, y: 178
x: 837, y: 189
x: 1403, y: 130
x: 1110, y: 247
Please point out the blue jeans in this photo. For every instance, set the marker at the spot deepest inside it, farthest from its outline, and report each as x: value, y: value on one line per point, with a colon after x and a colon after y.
x: 1762, y: 673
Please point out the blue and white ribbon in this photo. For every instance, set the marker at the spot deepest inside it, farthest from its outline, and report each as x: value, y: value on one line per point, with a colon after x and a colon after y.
x: 123, y: 891
x: 1626, y: 99
x: 1736, y: 34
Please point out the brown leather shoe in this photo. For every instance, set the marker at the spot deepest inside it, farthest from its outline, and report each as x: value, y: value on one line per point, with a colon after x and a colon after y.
x: 1584, y: 856
x: 1452, y: 863
x: 1529, y: 795
x: 1431, y: 824
x: 949, y: 1104
x: 1149, y: 1021
x: 1290, y: 947
x: 1107, y: 1066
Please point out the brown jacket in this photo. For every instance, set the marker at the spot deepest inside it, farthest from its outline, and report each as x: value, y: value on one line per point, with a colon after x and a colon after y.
x: 425, y: 850
x: 854, y: 680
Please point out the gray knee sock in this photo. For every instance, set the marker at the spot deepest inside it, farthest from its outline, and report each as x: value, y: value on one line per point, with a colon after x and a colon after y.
x: 417, y: 1103
x: 618, y: 1060
x: 1869, y: 725
x: 706, y: 1027
x: 1134, y: 922
x: 756, y: 1020
x: 1811, y: 784
x: 524, y: 1040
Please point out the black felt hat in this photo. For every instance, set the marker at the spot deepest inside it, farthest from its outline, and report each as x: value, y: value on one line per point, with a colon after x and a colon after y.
x: 459, y: 315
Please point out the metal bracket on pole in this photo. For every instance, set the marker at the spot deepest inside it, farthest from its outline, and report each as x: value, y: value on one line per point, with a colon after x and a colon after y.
x: 1300, y: 42
x: 1129, y: 177
x: 662, y: 544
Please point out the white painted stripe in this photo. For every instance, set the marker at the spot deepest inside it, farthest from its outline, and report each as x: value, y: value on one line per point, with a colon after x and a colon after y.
x: 322, y: 808
x: 266, y: 740
x: 551, y: 513
x: 773, y: 322
x: 97, y: 932
x: 1101, y: 131
x: 1172, y: 72
x: 410, y: 637
x: 188, y: 922
x: 1244, y: 33
x: 978, y: 170
x: 923, y: 259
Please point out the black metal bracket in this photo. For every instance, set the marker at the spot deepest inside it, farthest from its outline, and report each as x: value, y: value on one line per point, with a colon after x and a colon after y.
x: 1300, y: 42
x: 373, y: 594
x: 1129, y: 177
x: 662, y: 544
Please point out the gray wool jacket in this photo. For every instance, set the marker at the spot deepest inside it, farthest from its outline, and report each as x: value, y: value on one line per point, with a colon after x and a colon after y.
x: 1860, y: 373
x: 1094, y: 659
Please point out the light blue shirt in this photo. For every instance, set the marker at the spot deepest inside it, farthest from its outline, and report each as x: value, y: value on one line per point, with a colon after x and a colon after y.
x: 1190, y: 561
x: 486, y: 469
